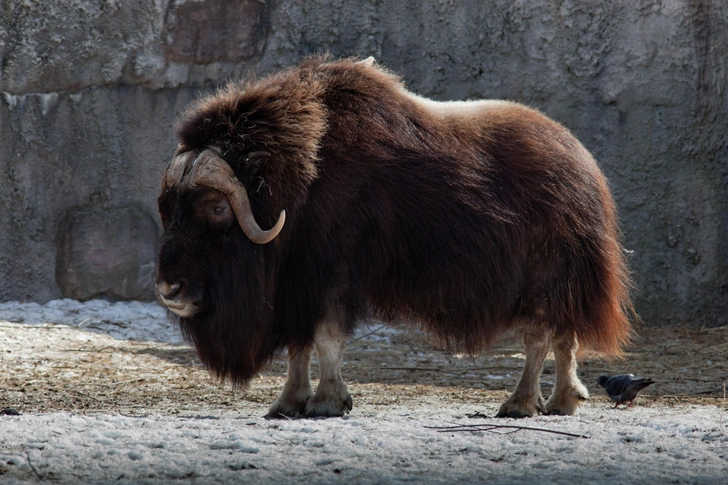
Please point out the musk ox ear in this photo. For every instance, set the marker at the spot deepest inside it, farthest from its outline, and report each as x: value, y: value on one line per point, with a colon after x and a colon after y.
x: 210, y: 170
x: 255, y: 161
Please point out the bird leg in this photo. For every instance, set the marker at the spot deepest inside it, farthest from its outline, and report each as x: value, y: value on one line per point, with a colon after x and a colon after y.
x: 526, y: 399
x: 569, y: 393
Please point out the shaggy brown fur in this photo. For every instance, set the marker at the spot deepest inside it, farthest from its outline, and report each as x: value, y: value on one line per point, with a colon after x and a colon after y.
x: 468, y: 219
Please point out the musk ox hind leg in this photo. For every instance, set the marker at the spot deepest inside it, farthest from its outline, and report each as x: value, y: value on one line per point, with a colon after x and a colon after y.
x: 569, y: 393
x: 526, y: 399
x: 332, y: 396
x: 297, y: 390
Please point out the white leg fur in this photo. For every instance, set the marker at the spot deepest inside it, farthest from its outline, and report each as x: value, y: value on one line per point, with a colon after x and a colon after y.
x: 297, y: 390
x: 569, y: 393
x: 526, y: 399
x: 332, y: 396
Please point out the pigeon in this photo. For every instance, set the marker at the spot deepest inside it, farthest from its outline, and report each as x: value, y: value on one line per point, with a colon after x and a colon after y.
x: 623, y: 388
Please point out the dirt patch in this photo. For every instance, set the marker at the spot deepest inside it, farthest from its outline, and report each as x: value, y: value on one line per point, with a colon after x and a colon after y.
x: 53, y: 368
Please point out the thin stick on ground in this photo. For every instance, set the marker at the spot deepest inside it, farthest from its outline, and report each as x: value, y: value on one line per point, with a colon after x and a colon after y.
x: 370, y: 333
x: 724, y: 409
x: 32, y: 467
x: 490, y: 427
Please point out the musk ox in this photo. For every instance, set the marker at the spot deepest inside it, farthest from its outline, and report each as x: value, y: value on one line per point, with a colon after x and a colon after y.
x: 300, y: 203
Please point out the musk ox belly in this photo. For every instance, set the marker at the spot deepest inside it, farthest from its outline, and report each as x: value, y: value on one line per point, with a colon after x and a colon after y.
x: 447, y: 265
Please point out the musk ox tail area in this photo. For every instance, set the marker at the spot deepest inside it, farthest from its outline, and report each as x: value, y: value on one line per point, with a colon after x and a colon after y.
x: 594, y: 301
x: 617, y: 311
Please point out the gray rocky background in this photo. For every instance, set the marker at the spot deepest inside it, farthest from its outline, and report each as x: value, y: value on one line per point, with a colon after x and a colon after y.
x: 90, y: 89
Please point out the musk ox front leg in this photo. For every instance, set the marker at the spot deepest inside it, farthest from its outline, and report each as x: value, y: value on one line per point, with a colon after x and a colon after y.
x: 526, y: 399
x: 297, y: 390
x: 332, y: 396
x: 569, y: 393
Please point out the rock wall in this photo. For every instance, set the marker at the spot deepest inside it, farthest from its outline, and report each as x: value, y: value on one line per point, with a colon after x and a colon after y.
x: 90, y: 90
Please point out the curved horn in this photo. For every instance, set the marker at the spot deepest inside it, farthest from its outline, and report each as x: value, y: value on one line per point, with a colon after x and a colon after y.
x: 175, y: 171
x: 212, y: 171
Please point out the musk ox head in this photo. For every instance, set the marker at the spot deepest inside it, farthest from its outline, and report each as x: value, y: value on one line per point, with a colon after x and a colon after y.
x: 218, y: 209
x: 246, y: 158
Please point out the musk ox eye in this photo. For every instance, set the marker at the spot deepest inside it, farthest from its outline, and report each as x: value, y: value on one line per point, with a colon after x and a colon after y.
x: 218, y: 216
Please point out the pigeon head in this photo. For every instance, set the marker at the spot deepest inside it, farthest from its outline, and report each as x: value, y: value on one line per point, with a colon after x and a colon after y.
x: 602, y: 380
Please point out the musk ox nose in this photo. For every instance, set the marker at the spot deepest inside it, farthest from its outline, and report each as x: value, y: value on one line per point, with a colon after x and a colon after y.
x: 167, y: 291
x: 178, y: 297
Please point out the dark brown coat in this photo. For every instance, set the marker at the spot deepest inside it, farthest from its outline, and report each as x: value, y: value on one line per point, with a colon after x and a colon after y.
x: 468, y: 219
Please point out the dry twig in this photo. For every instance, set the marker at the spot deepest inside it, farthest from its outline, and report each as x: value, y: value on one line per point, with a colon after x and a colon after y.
x: 489, y: 427
x: 722, y: 413
x: 32, y: 467
x: 370, y: 333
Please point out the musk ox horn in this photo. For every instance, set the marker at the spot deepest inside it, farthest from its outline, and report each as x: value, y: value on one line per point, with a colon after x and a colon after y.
x: 368, y: 62
x: 210, y: 170
x: 176, y: 170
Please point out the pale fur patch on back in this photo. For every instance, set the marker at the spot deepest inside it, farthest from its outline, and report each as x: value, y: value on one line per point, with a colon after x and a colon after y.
x: 457, y: 108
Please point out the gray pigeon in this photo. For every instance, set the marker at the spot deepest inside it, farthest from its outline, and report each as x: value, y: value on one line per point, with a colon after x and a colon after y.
x: 623, y: 388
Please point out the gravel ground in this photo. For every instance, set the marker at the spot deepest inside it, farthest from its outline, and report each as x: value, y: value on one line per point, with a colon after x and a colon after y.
x: 108, y: 393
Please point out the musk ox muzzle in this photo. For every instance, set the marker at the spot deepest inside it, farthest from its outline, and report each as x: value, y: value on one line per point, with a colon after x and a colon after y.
x: 176, y: 301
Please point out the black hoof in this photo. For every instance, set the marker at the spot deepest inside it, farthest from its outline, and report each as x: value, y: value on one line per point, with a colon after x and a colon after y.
x: 512, y: 414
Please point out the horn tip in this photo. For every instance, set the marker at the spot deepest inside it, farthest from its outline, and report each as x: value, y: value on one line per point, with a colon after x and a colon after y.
x: 281, y: 221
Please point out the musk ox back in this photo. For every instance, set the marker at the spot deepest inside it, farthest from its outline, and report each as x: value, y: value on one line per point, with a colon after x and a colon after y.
x: 301, y: 203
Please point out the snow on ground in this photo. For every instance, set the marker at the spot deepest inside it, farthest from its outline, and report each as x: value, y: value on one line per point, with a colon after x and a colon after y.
x: 373, y: 445
x: 392, y: 446
x: 124, y: 320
